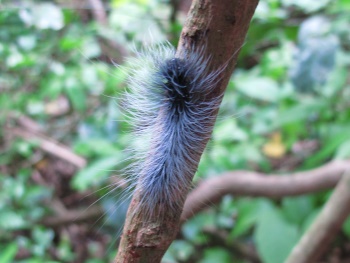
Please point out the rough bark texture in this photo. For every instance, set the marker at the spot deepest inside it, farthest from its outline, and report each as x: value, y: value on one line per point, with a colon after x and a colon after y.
x: 327, y: 224
x: 219, y: 29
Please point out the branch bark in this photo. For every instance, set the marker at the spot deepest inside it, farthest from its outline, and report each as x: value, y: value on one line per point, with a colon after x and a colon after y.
x: 317, y: 238
x: 73, y: 217
x: 248, y: 183
x: 50, y: 146
x: 221, y: 29
x: 242, y: 183
x: 98, y: 11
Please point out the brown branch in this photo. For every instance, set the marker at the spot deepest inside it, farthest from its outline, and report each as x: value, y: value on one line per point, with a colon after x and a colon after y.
x: 240, y: 183
x: 220, y: 29
x: 50, y: 146
x: 98, y: 11
x: 107, y: 45
x: 248, y: 183
x: 28, y: 123
x: 327, y: 224
x: 72, y: 216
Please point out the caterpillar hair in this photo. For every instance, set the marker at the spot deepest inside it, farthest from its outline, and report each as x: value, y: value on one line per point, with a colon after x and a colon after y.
x: 171, y: 105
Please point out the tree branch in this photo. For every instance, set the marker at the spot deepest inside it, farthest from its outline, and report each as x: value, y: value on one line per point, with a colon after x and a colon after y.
x: 218, y: 29
x: 317, y: 238
x: 243, y: 183
x: 49, y: 145
x: 108, y: 46
x: 73, y: 217
x: 248, y: 183
x: 98, y: 11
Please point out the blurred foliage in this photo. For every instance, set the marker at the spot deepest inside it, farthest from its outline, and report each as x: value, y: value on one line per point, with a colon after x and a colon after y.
x: 287, y: 108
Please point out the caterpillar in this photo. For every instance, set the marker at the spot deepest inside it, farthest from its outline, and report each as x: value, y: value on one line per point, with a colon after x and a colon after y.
x: 171, y: 105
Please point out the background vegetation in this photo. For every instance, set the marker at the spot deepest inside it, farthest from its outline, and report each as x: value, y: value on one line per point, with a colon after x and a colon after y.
x: 63, y: 135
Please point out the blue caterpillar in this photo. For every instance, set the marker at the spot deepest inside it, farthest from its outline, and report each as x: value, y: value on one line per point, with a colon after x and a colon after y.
x: 172, y: 106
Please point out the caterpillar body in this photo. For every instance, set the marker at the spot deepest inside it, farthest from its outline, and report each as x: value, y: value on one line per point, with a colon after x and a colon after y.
x: 171, y: 103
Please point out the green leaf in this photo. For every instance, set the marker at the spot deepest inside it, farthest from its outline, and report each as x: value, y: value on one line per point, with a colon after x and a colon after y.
x: 222, y: 157
x: 300, y: 112
x: 43, y: 16
x: 11, y: 220
x: 43, y: 238
x: 181, y: 249
x: 91, y: 48
x: 193, y: 229
x: 343, y: 151
x: 216, y: 255
x: 274, y: 236
x: 7, y: 254
x: 95, y: 146
x: 248, y: 151
x: 261, y: 88
x: 276, y: 61
x: 75, y: 94
x: 307, y: 6
x: 310, y: 219
x: 94, y: 173
x: 70, y: 43
x: 27, y: 42
x: 346, y: 227
x: 342, y: 5
x: 302, y: 204
x: 246, y: 218
x: 327, y: 150
x: 228, y: 131
x: 65, y: 249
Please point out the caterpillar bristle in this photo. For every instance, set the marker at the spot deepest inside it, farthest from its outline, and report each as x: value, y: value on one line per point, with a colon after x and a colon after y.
x: 171, y: 106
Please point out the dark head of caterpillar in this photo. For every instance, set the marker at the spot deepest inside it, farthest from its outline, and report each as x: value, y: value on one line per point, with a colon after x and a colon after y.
x: 176, y: 84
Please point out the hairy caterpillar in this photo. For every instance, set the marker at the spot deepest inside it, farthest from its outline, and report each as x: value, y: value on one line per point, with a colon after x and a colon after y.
x: 171, y: 104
